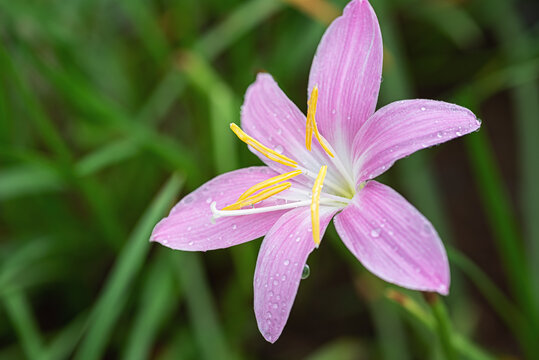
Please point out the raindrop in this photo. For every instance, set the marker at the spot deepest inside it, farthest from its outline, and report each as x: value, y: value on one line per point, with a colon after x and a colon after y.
x: 275, y: 306
x: 188, y: 228
x: 422, y: 109
x: 275, y: 282
x: 375, y: 232
x: 279, y: 131
x: 286, y: 262
x: 439, y: 135
x: 279, y: 149
x: 234, y: 226
x: 306, y: 272
x: 268, y: 315
x: 208, y: 200
x: 458, y: 133
x: 191, y: 243
x: 333, y: 111
x: 283, y: 278
x: 298, y: 239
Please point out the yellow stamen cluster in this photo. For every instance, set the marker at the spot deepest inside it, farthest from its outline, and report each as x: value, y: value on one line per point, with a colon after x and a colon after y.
x: 267, y: 189
x: 311, y: 123
x: 266, y: 151
x: 315, y: 204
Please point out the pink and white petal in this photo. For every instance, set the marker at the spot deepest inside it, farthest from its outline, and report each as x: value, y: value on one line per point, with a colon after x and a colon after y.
x: 281, y: 259
x: 403, y: 127
x: 347, y: 69
x: 189, y: 225
x: 270, y: 117
x: 393, y: 240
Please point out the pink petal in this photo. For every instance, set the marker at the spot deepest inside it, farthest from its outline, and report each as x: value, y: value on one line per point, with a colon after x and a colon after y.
x: 189, y: 226
x: 403, y: 127
x: 393, y: 240
x: 347, y: 69
x: 280, y: 263
x: 271, y: 118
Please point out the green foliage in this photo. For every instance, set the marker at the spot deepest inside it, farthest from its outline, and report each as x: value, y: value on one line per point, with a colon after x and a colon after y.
x: 101, y: 101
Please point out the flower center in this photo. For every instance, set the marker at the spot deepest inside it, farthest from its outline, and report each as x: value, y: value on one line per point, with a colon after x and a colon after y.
x: 245, y: 205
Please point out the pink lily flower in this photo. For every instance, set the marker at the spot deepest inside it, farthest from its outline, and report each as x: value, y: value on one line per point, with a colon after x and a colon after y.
x: 306, y: 183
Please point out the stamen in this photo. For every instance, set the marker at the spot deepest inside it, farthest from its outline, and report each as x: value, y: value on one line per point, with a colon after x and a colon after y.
x: 315, y: 204
x: 311, y: 124
x: 272, y: 181
x: 311, y: 111
x: 270, y: 154
x: 263, y: 195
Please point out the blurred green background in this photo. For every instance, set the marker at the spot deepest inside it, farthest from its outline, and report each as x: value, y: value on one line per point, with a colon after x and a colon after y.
x: 110, y: 111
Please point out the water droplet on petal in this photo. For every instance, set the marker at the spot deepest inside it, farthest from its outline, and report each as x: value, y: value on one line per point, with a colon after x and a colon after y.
x: 279, y: 131
x: 423, y: 109
x: 234, y: 226
x: 275, y: 306
x: 458, y: 133
x: 268, y: 315
x: 275, y: 282
x: 279, y: 149
x: 286, y: 262
x: 298, y: 239
x: 375, y: 232
x: 333, y: 111
x: 208, y: 200
x: 306, y: 272
x: 188, y: 228
x: 191, y: 243
x: 439, y: 135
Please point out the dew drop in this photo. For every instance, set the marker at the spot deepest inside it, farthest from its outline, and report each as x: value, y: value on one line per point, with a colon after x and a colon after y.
x: 283, y: 278
x: 298, y: 239
x: 279, y: 149
x: 189, y: 228
x: 268, y: 315
x: 275, y: 282
x: 270, y: 294
x: 306, y: 272
x: 333, y: 111
x: 375, y: 232
x: 279, y: 131
x: 191, y: 243
x: 275, y: 306
x: 286, y: 262
x: 458, y: 133
x: 208, y: 200
x: 234, y: 226
x: 439, y: 135
x: 423, y: 109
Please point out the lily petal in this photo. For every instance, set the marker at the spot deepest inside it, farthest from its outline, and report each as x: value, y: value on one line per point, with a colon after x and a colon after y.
x: 189, y: 226
x: 393, y: 240
x: 403, y: 127
x: 347, y: 69
x: 280, y: 263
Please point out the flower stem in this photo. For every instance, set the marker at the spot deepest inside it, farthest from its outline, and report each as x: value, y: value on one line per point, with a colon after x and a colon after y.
x: 443, y: 324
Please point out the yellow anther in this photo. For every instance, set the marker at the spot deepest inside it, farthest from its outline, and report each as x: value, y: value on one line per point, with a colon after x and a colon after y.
x: 270, y: 154
x: 311, y: 123
x: 315, y: 204
x: 263, y: 195
x: 311, y: 112
x: 272, y: 181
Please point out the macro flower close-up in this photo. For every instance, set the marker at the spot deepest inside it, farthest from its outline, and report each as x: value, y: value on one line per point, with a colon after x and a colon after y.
x: 319, y: 166
x: 269, y: 179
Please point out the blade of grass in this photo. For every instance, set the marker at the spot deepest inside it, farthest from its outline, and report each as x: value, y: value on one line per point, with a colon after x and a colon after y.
x: 517, y: 46
x: 20, y: 314
x: 463, y: 345
x: 116, y: 289
x: 209, y: 336
x: 158, y: 300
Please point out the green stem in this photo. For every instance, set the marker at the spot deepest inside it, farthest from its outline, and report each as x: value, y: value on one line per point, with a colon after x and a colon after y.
x: 443, y: 325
